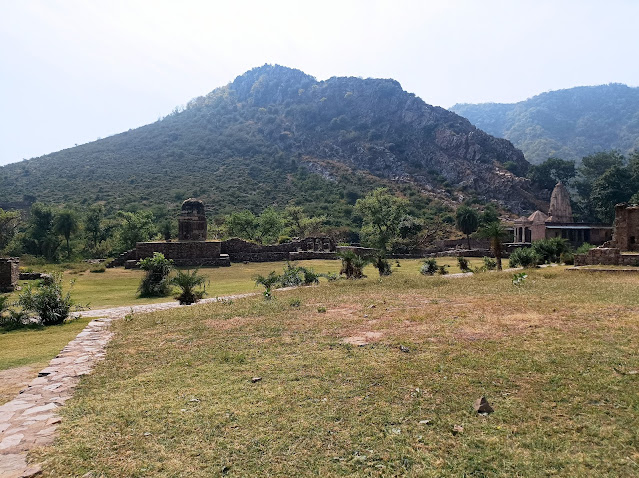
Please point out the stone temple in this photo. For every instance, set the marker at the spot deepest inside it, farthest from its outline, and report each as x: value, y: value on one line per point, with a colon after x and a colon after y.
x: 559, y: 222
x: 192, y: 221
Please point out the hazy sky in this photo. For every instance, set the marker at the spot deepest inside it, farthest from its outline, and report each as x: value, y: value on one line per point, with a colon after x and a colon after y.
x: 75, y: 70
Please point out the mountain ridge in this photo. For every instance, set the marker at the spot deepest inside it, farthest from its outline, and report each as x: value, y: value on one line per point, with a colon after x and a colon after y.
x: 260, y: 129
x: 569, y: 123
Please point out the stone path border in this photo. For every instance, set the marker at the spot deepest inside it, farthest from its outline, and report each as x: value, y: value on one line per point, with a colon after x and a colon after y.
x: 31, y: 419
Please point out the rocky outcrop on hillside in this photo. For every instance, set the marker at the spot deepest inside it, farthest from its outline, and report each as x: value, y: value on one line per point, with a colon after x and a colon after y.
x: 376, y: 126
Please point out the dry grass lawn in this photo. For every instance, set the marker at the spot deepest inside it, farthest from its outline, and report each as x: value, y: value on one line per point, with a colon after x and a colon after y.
x: 557, y: 358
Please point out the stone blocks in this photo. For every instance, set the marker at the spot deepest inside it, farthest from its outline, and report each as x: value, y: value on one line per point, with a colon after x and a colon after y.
x: 9, y: 274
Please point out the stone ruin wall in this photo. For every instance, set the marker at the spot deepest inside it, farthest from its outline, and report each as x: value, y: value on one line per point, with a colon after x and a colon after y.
x: 9, y: 274
x: 626, y: 229
x: 606, y: 256
x: 240, y: 250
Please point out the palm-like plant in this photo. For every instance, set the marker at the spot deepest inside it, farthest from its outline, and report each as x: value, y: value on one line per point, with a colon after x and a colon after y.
x: 497, y: 233
x: 188, y: 282
x: 267, y: 282
x: 353, y: 264
x: 65, y: 224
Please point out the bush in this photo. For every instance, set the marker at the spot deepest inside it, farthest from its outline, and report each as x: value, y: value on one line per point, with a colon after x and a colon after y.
x: 383, y: 266
x: 442, y: 270
x: 490, y: 264
x: 98, y: 269
x: 267, y: 282
x: 294, y: 276
x: 352, y: 264
x: 429, y: 267
x: 550, y: 250
x: 283, y: 239
x: 47, y: 301
x: 156, y: 280
x: 463, y: 264
x: 188, y: 282
x: 567, y: 258
x: 524, y: 257
x: 584, y: 248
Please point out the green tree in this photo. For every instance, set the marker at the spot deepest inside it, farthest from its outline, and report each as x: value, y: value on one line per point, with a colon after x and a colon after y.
x: 66, y: 223
x: 551, y: 171
x: 134, y: 227
x: 242, y: 224
x: 93, y: 223
x: 612, y: 187
x: 188, y: 282
x: 497, y: 234
x: 9, y: 221
x: 39, y: 238
x: 381, y: 214
x: 467, y: 221
x: 270, y: 225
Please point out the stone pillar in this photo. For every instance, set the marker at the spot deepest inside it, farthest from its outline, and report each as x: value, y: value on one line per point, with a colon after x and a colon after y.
x: 9, y: 274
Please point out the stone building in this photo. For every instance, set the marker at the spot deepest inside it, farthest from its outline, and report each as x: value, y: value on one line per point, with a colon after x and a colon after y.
x: 9, y: 274
x: 559, y: 223
x: 192, y: 221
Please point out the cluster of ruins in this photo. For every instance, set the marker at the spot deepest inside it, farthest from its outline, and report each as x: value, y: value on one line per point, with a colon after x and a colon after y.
x: 619, y: 250
x: 193, y: 249
x: 559, y: 223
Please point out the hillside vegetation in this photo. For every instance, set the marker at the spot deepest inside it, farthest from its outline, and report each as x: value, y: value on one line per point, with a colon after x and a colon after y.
x: 276, y: 135
x: 568, y: 124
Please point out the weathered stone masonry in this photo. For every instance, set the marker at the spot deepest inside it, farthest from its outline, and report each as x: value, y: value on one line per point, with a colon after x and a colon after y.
x: 9, y: 274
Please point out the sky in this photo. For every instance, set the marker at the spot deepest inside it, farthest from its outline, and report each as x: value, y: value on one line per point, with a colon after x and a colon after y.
x: 73, y: 71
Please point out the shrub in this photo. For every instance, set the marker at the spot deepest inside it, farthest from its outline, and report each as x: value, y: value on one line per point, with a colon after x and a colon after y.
x: 584, y: 248
x: 156, y: 280
x: 549, y: 250
x: 267, y: 282
x: 188, y: 282
x: 294, y: 276
x: 429, y: 267
x: 524, y: 257
x: 383, y: 266
x: 442, y: 270
x: 321, y: 310
x: 283, y: 239
x: 47, y: 301
x: 295, y: 302
x: 464, y: 266
x: 567, y: 258
x: 98, y: 269
x: 352, y: 264
x: 291, y: 276
x: 490, y: 264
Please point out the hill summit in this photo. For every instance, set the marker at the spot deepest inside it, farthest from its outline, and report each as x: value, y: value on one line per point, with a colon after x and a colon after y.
x: 253, y: 142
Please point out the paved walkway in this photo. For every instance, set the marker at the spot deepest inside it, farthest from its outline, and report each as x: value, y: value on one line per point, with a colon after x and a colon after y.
x: 31, y: 419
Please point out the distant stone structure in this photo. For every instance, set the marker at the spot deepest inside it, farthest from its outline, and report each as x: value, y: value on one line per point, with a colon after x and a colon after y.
x: 626, y: 233
x: 9, y: 274
x: 192, y: 248
x: 624, y: 240
x: 559, y: 223
x: 192, y: 221
x: 560, y: 208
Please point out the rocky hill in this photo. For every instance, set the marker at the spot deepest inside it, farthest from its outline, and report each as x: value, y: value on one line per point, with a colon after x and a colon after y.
x: 274, y: 135
x: 568, y: 124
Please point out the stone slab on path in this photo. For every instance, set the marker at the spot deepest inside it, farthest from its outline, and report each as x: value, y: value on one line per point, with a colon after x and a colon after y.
x: 30, y: 419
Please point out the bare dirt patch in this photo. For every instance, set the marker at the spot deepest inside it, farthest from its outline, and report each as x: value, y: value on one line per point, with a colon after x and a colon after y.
x: 15, y: 379
x: 364, y: 338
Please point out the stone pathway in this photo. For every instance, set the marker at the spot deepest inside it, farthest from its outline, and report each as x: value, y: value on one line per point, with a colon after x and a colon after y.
x: 30, y: 420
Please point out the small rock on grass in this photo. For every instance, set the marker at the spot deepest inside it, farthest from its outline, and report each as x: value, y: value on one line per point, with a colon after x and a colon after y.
x: 482, y: 406
x: 256, y: 379
x: 457, y: 429
x: 404, y: 349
